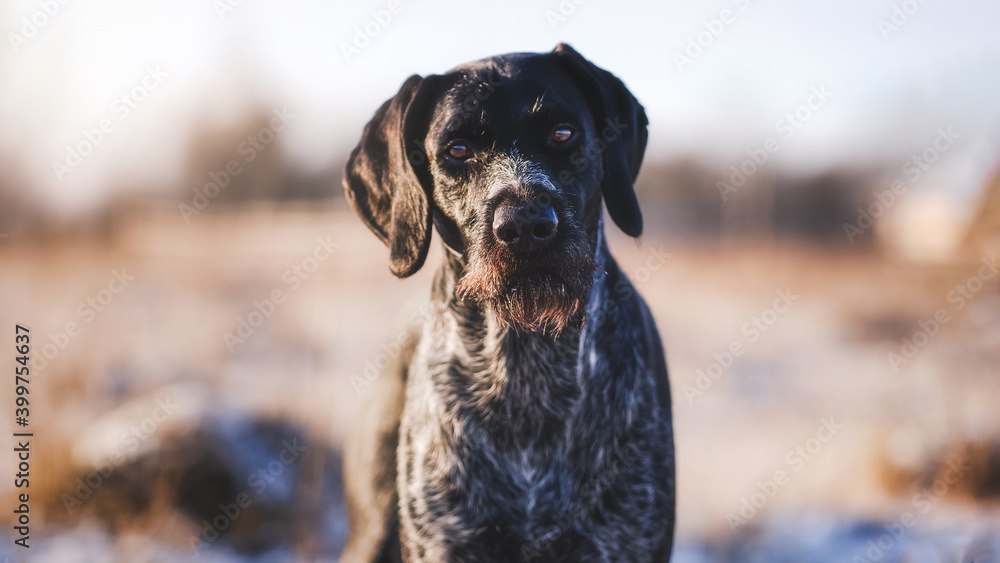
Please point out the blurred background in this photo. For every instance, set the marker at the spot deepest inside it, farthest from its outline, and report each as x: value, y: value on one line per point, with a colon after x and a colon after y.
x: 822, y: 202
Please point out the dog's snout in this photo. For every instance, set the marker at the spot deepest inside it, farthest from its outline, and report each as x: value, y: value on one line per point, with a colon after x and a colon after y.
x: 526, y: 227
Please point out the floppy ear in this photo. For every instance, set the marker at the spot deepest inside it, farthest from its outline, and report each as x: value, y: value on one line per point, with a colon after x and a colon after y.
x: 386, y: 179
x: 616, y: 111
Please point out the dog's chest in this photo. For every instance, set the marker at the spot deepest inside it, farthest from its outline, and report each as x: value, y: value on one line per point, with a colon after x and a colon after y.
x: 490, y: 503
x: 523, y: 461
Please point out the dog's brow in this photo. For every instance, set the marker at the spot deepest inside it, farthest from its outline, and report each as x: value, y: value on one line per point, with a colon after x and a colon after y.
x: 537, y: 108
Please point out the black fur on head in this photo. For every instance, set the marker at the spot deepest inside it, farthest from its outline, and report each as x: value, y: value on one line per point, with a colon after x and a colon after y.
x: 504, y: 112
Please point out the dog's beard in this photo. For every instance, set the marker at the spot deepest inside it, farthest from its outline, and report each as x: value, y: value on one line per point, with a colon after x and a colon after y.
x: 543, y: 292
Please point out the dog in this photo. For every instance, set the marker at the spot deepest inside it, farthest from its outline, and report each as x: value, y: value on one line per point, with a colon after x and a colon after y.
x: 529, y: 416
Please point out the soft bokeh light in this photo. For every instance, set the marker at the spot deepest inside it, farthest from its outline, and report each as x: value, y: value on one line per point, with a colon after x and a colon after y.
x: 842, y: 158
x: 890, y: 93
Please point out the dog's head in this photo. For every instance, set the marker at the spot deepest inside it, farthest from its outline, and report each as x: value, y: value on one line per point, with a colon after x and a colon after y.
x: 510, y: 159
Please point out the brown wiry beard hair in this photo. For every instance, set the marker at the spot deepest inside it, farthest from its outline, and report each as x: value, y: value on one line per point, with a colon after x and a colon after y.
x: 545, y: 292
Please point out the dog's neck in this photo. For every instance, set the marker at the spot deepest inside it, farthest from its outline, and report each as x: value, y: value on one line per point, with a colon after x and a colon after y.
x: 522, y: 385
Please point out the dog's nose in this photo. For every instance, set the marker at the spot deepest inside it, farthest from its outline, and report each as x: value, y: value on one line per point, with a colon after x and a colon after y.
x: 527, y: 227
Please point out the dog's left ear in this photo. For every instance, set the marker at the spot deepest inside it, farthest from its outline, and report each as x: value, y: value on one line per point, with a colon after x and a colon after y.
x: 387, y: 179
x: 621, y: 122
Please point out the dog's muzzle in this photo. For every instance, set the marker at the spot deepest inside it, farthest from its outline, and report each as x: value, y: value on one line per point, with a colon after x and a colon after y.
x: 532, y: 265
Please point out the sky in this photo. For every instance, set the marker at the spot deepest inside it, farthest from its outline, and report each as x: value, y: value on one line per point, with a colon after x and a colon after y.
x: 717, y: 79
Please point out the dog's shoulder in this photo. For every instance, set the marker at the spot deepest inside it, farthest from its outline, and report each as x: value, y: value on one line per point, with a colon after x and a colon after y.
x: 628, y: 308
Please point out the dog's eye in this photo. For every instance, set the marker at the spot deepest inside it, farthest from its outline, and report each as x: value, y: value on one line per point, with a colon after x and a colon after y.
x: 459, y: 151
x: 562, y: 133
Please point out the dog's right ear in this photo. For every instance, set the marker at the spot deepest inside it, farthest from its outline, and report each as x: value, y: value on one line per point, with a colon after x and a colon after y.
x: 386, y: 179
